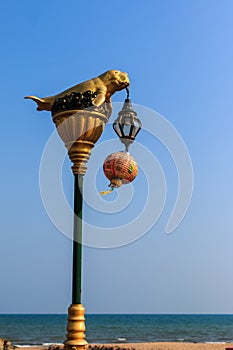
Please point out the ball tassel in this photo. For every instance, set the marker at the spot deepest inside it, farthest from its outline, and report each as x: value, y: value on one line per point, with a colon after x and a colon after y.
x: 103, y: 193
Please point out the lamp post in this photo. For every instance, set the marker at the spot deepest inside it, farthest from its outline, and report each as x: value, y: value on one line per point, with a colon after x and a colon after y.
x: 80, y: 114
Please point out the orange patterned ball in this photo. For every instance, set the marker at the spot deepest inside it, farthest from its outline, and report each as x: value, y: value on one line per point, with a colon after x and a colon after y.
x: 120, y: 168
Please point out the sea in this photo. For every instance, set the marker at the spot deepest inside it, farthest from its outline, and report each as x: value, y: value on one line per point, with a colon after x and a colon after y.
x: 32, y: 330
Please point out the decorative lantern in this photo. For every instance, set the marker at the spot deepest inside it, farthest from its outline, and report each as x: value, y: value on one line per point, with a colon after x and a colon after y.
x: 127, y: 125
x: 120, y: 168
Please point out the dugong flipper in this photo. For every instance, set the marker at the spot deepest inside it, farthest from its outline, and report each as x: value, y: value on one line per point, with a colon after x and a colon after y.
x: 42, y: 103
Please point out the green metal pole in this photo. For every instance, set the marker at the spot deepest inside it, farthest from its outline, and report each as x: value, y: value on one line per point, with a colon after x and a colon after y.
x: 77, y: 240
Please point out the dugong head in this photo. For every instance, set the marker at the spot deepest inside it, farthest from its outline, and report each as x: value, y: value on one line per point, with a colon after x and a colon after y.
x: 115, y: 80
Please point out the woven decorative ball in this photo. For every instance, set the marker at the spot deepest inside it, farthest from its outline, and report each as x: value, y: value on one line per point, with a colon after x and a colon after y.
x: 120, y: 168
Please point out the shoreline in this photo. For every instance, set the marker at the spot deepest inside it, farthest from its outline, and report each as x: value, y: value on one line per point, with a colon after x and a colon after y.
x: 141, y: 346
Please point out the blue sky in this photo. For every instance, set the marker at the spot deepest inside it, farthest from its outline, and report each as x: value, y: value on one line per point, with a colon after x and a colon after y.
x: 179, y: 58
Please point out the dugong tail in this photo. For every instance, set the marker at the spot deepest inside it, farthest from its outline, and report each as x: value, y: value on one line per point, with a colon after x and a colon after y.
x: 42, y: 103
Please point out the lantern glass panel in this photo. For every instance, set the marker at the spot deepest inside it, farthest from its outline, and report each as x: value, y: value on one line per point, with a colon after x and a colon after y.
x: 117, y: 129
x: 135, y: 131
x: 127, y: 129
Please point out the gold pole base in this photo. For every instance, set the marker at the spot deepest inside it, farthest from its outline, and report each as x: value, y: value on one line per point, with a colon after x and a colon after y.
x: 75, y: 337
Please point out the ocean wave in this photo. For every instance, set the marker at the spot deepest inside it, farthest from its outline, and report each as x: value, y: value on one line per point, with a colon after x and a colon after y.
x: 37, y: 345
x: 49, y: 344
x: 27, y: 346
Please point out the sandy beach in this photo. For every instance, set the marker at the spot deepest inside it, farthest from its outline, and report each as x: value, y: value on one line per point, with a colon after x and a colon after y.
x: 177, y: 346
x: 174, y: 346
x: 166, y: 346
x: 152, y: 346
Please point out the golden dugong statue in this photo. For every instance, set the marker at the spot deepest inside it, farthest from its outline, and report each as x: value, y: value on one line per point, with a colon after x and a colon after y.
x: 101, y: 87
